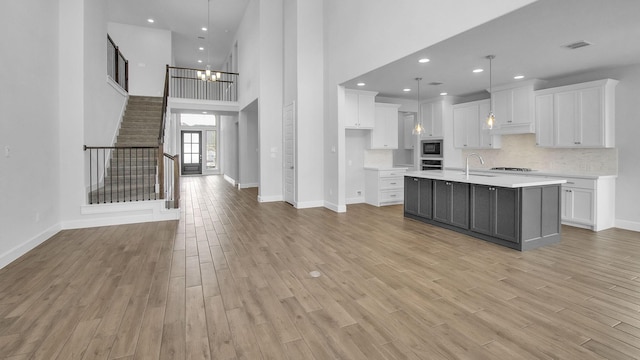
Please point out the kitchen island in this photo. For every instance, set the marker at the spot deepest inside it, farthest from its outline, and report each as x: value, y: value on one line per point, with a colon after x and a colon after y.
x: 518, y: 212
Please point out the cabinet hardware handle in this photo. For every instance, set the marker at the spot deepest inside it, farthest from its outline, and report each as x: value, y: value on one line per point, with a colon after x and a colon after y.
x: 394, y: 195
x: 570, y: 182
x: 392, y: 183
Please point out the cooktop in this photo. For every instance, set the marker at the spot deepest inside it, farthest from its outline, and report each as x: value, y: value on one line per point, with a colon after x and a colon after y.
x: 512, y: 169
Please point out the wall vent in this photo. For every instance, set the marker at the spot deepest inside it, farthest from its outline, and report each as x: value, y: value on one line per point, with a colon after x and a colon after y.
x: 435, y: 83
x: 577, y: 45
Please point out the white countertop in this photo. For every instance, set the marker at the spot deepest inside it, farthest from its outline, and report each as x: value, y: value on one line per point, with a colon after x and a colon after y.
x: 383, y: 168
x: 580, y: 175
x: 493, y: 179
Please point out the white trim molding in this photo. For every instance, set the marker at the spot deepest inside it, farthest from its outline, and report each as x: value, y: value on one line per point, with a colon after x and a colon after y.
x: 334, y: 207
x: 122, y: 213
x: 628, y: 225
x: 13, y: 254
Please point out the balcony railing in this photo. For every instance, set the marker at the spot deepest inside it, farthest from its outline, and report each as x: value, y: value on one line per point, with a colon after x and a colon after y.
x: 117, y: 65
x: 185, y: 83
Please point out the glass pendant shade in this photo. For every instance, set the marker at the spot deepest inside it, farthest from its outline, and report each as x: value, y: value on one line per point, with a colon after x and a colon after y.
x: 491, y: 118
x: 418, y: 129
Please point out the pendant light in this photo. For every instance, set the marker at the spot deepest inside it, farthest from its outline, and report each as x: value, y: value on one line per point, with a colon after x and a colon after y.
x: 418, y: 129
x: 208, y: 75
x: 491, y: 118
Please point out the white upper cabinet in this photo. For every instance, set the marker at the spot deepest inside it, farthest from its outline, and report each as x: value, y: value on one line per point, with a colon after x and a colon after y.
x: 580, y: 115
x: 409, y: 138
x: 514, y: 108
x: 360, y: 109
x: 432, y: 119
x: 468, y: 131
x: 385, y: 131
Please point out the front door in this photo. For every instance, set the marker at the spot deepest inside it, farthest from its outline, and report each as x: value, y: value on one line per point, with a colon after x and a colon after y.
x: 191, y: 152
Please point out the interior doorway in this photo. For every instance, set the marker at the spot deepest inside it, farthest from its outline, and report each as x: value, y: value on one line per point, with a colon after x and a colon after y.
x: 191, y: 152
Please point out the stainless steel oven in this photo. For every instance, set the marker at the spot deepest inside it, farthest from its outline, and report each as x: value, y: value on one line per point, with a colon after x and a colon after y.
x: 431, y: 148
x: 428, y: 164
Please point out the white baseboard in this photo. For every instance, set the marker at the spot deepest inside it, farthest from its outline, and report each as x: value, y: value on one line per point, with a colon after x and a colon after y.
x: 628, y: 225
x: 271, y: 198
x: 13, y: 254
x: 247, y: 185
x: 334, y: 207
x: 309, y: 204
x: 230, y: 180
x: 354, y: 200
x: 122, y: 213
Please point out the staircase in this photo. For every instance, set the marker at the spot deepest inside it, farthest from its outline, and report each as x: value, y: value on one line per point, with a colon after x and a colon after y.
x: 131, y: 172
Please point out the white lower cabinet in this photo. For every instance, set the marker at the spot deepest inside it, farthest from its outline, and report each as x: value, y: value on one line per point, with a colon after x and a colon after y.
x: 588, y: 202
x: 384, y: 186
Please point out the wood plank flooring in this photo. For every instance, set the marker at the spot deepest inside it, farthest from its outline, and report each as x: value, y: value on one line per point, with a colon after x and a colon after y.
x: 231, y: 280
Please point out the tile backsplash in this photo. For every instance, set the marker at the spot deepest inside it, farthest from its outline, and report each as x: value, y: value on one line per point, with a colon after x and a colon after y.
x: 521, y: 151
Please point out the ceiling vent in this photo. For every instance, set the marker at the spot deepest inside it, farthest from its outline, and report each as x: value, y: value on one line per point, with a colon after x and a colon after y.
x: 435, y: 83
x: 577, y: 45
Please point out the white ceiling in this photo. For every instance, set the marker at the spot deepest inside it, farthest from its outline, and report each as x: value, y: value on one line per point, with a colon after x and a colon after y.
x: 527, y: 41
x: 185, y: 18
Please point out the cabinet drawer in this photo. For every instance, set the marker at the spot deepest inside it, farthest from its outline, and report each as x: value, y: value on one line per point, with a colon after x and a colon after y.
x: 391, y: 173
x: 580, y: 183
x: 391, y: 183
x: 391, y: 195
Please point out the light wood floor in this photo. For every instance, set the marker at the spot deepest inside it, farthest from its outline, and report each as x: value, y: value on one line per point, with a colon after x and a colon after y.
x: 231, y: 280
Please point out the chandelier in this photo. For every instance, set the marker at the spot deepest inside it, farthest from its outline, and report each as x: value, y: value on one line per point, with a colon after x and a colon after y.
x: 208, y: 75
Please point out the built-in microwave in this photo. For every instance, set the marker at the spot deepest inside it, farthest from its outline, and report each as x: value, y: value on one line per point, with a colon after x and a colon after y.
x: 431, y: 148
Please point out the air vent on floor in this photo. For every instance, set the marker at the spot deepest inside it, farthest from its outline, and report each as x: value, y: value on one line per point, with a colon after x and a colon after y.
x: 577, y: 45
x: 435, y: 83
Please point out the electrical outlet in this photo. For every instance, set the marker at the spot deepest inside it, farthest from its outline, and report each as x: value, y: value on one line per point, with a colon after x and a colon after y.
x: 359, y: 192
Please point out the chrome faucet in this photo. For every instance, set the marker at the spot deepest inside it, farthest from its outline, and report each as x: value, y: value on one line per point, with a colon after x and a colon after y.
x: 466, y: 169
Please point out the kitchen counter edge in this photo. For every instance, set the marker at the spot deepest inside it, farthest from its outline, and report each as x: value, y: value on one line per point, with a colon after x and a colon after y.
x: 508, y: 181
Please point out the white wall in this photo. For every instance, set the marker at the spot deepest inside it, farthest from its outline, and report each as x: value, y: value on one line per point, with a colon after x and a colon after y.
x: 29, y: 181
x: 229, y: 146
x: 310, y: 104
x: 148, y: 51
x: 360, y: 36
x: 249, y: 146
x: 248, y: 56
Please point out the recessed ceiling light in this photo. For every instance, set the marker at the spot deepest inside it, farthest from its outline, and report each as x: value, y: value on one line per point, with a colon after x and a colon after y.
x: 443, y: 93
x: 204, y: 112
x: 361, y: 84
x: 518, y: 77
x: 478, y: 70
x: 150, y: 21
x: 200, y: 48
x: 200, y: 61
x: 204, y: 28
x: 406, y: 89
x: 423, y: 60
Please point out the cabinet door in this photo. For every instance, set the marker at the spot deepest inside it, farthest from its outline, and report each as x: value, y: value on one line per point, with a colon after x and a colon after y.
x: 385, y: 131
x: 409, y: 138
x: 411, y: 195
x: 351, y: 106
x: 425, y: 207
x: 460, y: 205
x: 590, y: 125
x: 366, y: 111
x: 432, y: 119
x: 442, y: 201
x: 544, y: 120
x: 502, y: 104
x: 565, y: 117
x: 480, y: 216
x: 506, y: 213
x: 578, y: 205
x: 462, y: 116
x: 484, y: 138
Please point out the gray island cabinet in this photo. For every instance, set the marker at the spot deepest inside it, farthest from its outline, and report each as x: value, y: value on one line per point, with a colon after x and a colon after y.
x: 516, y: 212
